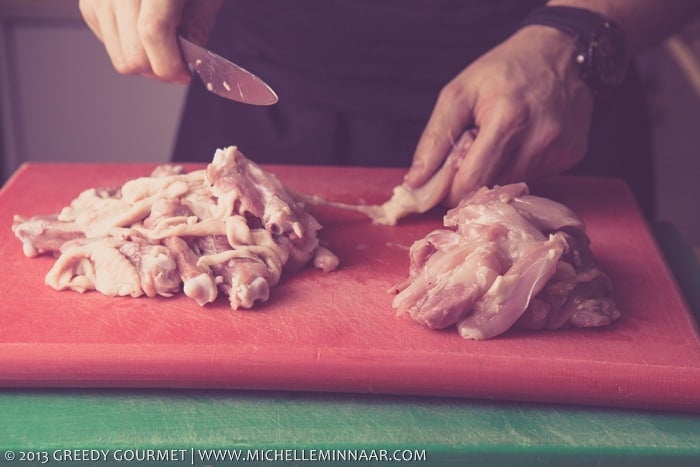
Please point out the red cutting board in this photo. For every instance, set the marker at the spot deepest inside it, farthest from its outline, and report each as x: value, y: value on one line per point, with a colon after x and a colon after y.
x: 337, y: 331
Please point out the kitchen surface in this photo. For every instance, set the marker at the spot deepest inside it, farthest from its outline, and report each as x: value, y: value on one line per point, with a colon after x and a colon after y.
x: 326, y: 372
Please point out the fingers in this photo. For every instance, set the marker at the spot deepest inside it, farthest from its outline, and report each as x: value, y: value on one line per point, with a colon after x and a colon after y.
x: 157, y: 25
x: 114, y: 24
x: 89, y: 15
x: 103, y: 22
x: 493, y: 151
x: 140, y: 36
x: 528, y: 160
x: 130, y: 57
x: 478, y: 168
x: 451, y: 116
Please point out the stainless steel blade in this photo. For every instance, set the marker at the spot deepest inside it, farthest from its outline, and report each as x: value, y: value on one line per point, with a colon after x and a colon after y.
x: 225, y: 78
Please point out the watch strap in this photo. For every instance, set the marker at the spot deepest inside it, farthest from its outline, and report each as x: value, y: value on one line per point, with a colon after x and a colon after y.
x: 589, y: 30
x: 574, y: 21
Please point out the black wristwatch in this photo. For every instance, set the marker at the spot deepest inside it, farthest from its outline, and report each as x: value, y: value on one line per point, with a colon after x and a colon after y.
x: 601, y: 47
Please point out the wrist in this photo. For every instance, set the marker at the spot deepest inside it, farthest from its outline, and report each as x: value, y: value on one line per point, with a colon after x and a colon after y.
x: 557, y: 51
x: 601, y: 52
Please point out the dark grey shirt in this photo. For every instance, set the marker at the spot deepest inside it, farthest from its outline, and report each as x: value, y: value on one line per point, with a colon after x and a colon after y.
x: 357, y: 80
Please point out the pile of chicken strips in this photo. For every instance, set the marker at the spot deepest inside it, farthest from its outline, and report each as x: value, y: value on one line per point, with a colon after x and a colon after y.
x: 504, y: 258
x: 229, y: 228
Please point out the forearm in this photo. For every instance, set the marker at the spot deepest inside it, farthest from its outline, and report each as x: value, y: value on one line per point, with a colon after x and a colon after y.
x: 645, y: 22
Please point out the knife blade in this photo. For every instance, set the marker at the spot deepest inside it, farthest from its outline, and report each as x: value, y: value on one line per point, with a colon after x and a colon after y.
x: 225, y: 78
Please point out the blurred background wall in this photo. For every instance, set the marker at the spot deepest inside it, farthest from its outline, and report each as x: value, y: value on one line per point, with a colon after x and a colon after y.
x: 60, y: 100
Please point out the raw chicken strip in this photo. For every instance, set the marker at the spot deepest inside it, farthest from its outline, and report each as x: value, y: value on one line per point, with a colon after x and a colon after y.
x: 406, y: 200
x: 156, y: 267
x: 44, y: 234
x: 450, y: 284
x: 510, y: 294
x: 93, y: 264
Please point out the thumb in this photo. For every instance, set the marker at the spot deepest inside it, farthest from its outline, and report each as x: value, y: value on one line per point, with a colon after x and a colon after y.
x: 451, y: 115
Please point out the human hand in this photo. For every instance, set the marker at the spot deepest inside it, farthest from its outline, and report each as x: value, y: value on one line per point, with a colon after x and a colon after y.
x: 141, y: 35
x: 528, y: 105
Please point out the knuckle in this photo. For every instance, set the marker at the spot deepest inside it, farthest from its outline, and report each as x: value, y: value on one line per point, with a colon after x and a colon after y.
x: 153, y: 30
x: 545, y: 137
x: 121, y: 67
x: 514, y: 113
x: 131, y: 65
x: 550, y: 131
x: 451, y: 92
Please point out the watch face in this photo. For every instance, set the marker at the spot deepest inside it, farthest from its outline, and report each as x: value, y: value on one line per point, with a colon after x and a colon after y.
x: 608, y: 57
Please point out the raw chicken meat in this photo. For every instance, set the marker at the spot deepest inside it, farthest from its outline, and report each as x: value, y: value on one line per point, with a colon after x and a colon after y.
x: 506, y: 259
x: 404, y: 199
x: 231, y: 227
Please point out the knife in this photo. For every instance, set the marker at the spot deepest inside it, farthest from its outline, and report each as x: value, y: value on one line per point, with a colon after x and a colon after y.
x: 225, y: 78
